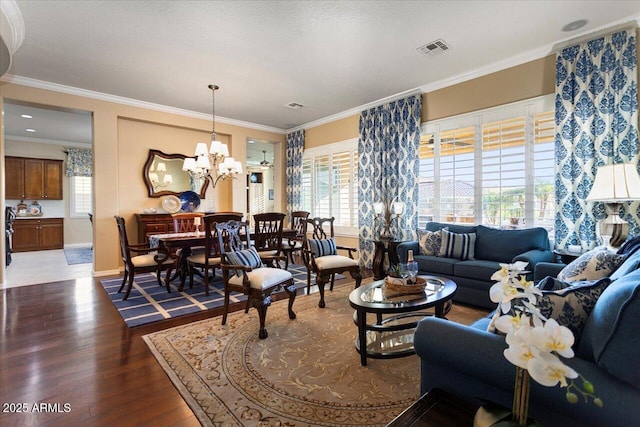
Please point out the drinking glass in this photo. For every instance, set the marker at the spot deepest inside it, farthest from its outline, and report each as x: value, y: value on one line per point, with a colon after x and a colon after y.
x: 412, y: 270
x: 404, y: 271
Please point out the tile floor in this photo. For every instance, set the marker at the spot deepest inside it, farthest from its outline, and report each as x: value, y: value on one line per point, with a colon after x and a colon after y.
x: 30, y: 268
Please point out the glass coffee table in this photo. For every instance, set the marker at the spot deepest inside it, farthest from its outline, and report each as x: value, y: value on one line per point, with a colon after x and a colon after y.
x: 391, y: 335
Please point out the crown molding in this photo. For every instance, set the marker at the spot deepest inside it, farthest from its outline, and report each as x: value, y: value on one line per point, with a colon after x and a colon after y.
x: 13, y: 31
x: 70, y: 90
x: 76, y: 144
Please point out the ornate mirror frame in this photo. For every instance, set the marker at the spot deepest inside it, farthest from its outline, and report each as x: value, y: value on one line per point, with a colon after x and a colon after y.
x: 180, y: 179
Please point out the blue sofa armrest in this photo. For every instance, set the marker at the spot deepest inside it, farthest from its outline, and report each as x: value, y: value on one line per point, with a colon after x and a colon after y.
x: 544, y: 269
x: 533, y: 257
x: 403, y: 249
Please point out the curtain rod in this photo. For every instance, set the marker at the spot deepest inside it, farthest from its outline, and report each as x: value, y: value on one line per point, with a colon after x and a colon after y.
x: 632, y: 25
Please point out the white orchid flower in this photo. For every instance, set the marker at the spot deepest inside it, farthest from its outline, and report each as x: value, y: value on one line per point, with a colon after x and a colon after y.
x: 548, y: 370
x: 503, y: 293
x: 519, y: 351
x: 529, y: 289
x: 553, y: 338
x: 509, y: 324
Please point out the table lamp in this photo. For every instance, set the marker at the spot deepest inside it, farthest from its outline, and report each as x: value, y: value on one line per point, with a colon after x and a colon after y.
x: 387, y: 212
x: 615, y: 184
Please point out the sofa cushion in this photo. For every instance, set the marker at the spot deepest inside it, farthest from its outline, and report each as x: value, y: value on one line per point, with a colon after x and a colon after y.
x: 476, y: 269
x: 459, y: 246
x: 571, y: 305
x: 429, y: 242
x: 595, y: 264
x: 610, y: 336
x: 435, y: 265
x: 503, y: 245
x: 454, y: 228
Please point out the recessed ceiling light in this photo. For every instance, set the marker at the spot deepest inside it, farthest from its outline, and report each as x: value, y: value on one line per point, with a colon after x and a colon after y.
x: 251, y: 141
x: 26, y: 116
x: 30, y: 130
x: 575, y: 25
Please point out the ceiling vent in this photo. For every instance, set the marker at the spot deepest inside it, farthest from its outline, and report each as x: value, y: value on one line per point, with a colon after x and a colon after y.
x: 294, y: 105
x: 434, y: 48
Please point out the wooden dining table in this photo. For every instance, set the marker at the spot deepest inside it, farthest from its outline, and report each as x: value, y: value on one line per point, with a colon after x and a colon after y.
x: 185, y: 241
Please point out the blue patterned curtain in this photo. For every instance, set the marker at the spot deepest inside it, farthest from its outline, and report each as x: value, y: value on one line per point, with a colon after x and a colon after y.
x: 596, y: 124
x: 79, y: 162
x: 388, y: 167
x: 293, y: 171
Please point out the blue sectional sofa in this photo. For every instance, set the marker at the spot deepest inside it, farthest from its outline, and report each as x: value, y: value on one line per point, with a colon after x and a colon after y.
x: 492, y: 247
x: 468, y: 361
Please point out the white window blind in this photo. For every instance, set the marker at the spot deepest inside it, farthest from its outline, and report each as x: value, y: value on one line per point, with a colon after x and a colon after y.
x: 81, y: 195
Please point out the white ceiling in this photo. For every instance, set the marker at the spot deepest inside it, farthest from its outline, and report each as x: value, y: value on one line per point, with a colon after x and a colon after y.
x: 330, y: 56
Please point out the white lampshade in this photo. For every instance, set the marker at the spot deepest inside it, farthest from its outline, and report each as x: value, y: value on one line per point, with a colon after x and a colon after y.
x: 219, y: 149
x: 398, y: 208
x: 153, y: 177
x: 168, y: 179
x: 201, y: 149
x: 222, y: 169
x: 616, y: 183
x: 378, y: 207
x: 203, y: 162
x: 238, y: 167
x: 229, y: 162
x: 162, y: 167
x: 189, y: 164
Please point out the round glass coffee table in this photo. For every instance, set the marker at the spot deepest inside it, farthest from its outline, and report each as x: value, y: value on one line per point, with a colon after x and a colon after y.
x: 391, y: 335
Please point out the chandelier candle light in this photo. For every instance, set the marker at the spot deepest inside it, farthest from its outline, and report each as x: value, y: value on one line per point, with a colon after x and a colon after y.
x: 214, y: 164
x: 387, y: 212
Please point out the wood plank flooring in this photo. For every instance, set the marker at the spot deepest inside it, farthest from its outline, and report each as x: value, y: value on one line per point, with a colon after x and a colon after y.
x: 65, y: 345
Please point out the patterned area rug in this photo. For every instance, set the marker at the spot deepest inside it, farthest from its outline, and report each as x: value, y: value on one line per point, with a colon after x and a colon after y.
x: 149, y: 302
x: 307, y: 372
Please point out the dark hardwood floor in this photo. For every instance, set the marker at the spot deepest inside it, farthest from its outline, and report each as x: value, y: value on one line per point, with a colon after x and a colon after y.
x: 64, y: 345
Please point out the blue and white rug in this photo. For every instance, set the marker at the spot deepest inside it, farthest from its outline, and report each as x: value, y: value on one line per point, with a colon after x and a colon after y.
x: 78, y: 255
x: 149, y: 302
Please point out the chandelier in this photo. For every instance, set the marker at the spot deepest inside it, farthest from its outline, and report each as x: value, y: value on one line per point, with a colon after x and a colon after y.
x: 214, y: 163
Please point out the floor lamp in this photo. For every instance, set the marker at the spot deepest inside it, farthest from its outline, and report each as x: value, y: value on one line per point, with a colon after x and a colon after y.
x: 615, y: 184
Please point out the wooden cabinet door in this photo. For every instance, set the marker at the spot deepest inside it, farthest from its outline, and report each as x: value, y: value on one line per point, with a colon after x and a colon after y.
x: 26, y: 235
x: 53, y: 179
x: 51, y: 234
x: 14, y: 177
x: 33, y: 178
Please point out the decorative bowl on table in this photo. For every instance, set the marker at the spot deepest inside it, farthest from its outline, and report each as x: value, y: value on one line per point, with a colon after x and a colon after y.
x: 190, y: 201
x: 398, y: 286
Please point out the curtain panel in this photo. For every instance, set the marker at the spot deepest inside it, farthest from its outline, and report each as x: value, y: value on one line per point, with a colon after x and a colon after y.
x: 388, y: 168
x: 596, y: 124
x: 79, y: 162
x: 293, y: 170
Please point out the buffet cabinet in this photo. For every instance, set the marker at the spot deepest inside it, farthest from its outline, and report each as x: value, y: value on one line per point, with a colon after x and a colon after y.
x: 33, y: 179
x: 37, y: 234
x: 159, y: 223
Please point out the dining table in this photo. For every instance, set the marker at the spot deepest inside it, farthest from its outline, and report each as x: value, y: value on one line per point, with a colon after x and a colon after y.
x: 182, y: 244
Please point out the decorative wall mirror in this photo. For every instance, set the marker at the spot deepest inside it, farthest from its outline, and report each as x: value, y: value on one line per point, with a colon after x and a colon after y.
x: 164, y: 176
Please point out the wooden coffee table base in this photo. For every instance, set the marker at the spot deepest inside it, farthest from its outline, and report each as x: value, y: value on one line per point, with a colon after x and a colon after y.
x: 435, y: 409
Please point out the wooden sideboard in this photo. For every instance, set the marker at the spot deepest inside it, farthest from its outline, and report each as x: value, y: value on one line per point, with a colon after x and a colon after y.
x: 37, y: 234
x: 158, y: 223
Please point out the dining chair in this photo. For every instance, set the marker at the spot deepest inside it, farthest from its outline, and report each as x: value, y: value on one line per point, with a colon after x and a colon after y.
x: 209, y: 257
x: 321, y: 257
x: 294, y: 243
x: 268, y: 236
x: 243, y: 271
x: 150, y: 259
x: 185, y: 222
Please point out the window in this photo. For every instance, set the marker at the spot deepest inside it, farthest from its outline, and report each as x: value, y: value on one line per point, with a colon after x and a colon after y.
x: 80, y: 196
x: 329, y: 184
x: 492, y: 167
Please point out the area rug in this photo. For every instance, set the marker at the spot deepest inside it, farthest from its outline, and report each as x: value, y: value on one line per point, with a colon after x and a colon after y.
x: 307, y: 372
x: 149, y: 302
x: 78, y: 255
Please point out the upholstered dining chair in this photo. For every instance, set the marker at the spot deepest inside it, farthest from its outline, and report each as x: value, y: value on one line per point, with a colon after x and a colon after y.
x: 294, y: 243
x: 150, y: 260
x: 268, y: 236
x: 321, y: 257
x: 243, y: 271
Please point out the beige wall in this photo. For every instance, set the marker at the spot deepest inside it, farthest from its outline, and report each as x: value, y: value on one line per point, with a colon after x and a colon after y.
x: 122, y: 136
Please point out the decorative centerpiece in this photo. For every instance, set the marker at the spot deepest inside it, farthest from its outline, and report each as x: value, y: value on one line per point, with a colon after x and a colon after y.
x: 536, y: 346
x: 402, y: 279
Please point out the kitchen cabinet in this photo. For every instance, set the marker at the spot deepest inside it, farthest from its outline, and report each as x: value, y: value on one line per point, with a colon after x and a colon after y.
x: 33, y: 179
x: 37, y: 234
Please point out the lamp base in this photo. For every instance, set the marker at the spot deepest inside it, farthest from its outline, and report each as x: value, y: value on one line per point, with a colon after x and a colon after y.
x: 614, y: 227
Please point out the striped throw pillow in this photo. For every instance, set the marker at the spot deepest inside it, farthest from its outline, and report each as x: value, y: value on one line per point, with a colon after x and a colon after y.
x: 322, y: 247
x: 458, y: 246
x: 248, y: 257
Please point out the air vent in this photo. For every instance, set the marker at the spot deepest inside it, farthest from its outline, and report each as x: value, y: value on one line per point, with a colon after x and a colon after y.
x: 434, y: 48
x: 294, y: 105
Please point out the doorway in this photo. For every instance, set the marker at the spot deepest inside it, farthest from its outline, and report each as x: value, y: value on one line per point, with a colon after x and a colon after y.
x: 261, y: 189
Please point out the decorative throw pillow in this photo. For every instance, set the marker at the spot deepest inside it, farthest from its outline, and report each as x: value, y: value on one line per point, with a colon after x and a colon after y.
x: 458, y: 246
x: 430, y: 242
x: 593, y: 265
x: 572, y: 305
x: 248, y: 257
x: 322, y: 247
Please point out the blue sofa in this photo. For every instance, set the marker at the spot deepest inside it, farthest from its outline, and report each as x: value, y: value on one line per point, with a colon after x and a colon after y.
x: 468, y: 361
x: 492, y: 247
